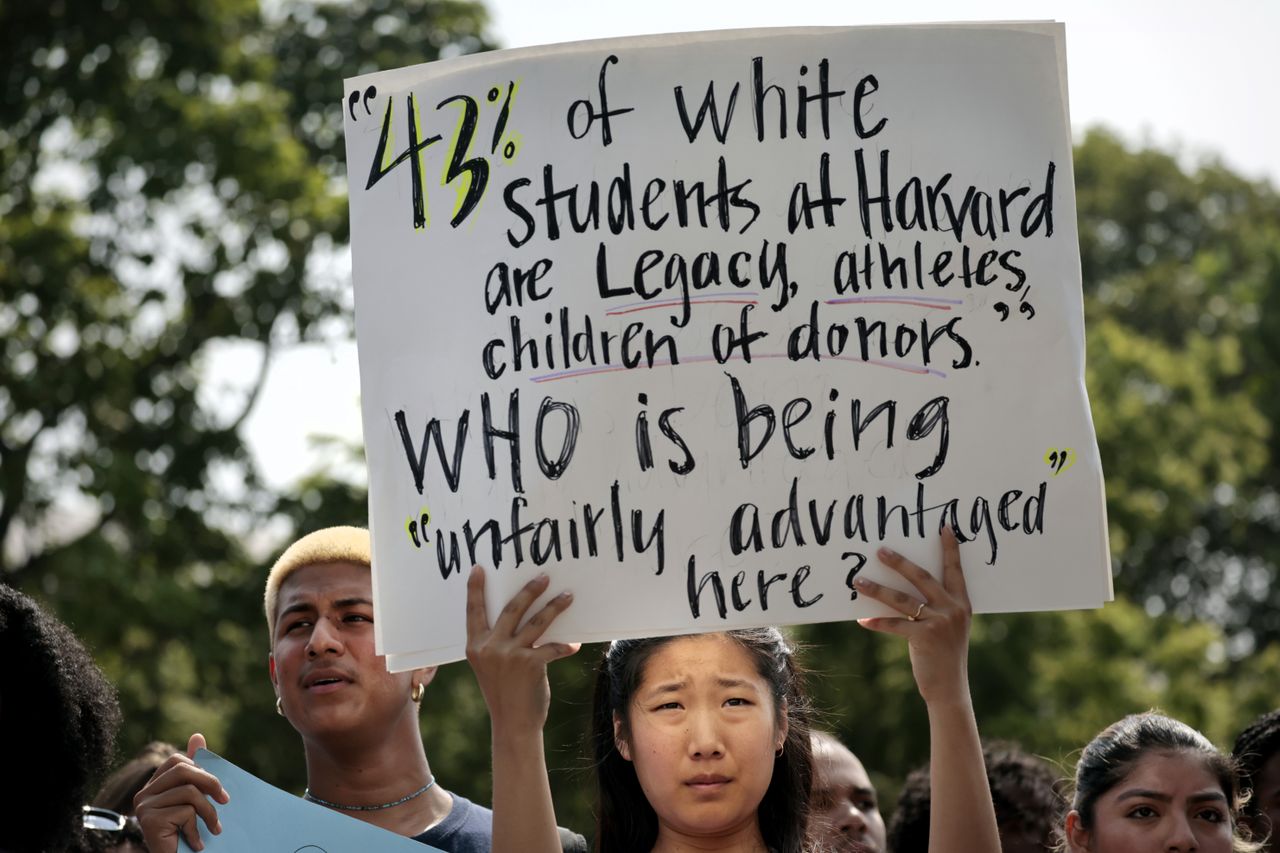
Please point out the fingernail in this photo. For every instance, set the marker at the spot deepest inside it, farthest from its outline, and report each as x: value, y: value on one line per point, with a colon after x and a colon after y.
x: 542, y: 578
x: 888, y: 552
x: 566, y: 596
x: 863, y: 583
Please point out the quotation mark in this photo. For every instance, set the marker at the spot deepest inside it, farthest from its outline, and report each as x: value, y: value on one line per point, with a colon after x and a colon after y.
x: 1024, y: 307
x: 417, y: 527
x: 1059, y: 459
x: 369, y: 94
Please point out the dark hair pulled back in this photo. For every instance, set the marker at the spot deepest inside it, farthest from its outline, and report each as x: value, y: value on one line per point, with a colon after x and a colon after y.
x: 1113, y: 754
x: 625, y: 821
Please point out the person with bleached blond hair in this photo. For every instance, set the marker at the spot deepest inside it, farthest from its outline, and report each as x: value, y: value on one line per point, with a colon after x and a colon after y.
x: 358, y: 722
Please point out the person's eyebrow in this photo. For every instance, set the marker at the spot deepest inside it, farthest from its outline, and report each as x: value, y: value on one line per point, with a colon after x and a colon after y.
x: 735, y: 683
x: 669, y: 687
x: 1144, y: 793
x: 300, y: 607
x: 310, y: 606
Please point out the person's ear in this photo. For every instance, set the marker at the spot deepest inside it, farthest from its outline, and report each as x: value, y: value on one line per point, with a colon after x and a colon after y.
x: 271, y: 671
x: 418, y: 681
x: 1077, y: 835
x: 619, y: 742
x: 784, y: 727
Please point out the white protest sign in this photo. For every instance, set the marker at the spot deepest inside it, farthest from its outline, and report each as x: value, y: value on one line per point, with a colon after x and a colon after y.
x: 265, y: 819
x: 694, y: 323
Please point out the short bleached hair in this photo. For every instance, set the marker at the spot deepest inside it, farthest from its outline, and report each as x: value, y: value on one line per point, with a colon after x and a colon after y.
x: 330, y: 545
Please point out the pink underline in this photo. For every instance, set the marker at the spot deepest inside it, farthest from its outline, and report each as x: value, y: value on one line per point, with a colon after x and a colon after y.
x: 701, y: 359
x: 677, y: 302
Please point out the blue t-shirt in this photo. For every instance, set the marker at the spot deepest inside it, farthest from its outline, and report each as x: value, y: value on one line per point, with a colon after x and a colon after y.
x: 468, y: 828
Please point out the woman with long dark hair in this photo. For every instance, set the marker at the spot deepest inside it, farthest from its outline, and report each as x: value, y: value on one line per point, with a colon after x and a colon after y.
x: 702, y: 741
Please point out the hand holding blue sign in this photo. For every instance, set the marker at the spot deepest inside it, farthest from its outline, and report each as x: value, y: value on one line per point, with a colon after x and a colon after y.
x: 180, y: 795
x: 261, y: 817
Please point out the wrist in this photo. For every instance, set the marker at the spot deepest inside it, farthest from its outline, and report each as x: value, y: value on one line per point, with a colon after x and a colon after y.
x: 518, y: 743
x: 950, y: 703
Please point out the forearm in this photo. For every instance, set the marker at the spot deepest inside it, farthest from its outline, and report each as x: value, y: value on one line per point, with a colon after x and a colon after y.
x: 524, y: 817
x: 961, y: 816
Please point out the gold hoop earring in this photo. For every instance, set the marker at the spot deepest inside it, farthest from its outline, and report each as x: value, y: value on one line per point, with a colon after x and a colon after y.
x: 418, y: 690
x: 279, y: 706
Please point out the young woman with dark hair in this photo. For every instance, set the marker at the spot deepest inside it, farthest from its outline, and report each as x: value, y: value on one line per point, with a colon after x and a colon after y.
x: 626, y: 820
x: 702, y: 741
x: 1152, y: 784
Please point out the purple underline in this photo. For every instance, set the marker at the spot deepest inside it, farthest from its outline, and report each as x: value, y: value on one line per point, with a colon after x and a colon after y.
x: 693, y: 298
x: 617, y: 312
x: 702, y: 359
x: 922, y: 301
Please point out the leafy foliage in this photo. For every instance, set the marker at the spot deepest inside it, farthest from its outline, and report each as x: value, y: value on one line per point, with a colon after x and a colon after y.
x: 1182, y: 276
x: 170, y: 199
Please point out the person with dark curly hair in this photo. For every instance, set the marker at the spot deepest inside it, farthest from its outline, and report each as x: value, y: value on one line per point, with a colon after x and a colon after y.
x: 1257, y: 755
x: 55, y: 697
x: 1025, y: 790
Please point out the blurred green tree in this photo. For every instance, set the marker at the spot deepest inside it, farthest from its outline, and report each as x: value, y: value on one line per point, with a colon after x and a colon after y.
x: 1050, y: 681
x: 170, y: 197
x: 1182, y: 307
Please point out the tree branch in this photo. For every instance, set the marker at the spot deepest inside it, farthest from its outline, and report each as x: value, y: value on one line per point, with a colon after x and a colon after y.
x: 267, y: 351
x: 14, y: 489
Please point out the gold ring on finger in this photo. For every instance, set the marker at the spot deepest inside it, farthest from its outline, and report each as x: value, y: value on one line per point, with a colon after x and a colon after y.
x: 916, y: 616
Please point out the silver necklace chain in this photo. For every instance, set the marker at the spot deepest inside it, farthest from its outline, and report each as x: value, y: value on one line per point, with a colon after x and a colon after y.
x: 307, y: 795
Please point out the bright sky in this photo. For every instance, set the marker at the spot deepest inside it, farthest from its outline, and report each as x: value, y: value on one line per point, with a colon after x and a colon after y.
x: 1197, y: 76
x: 1203, y: 74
